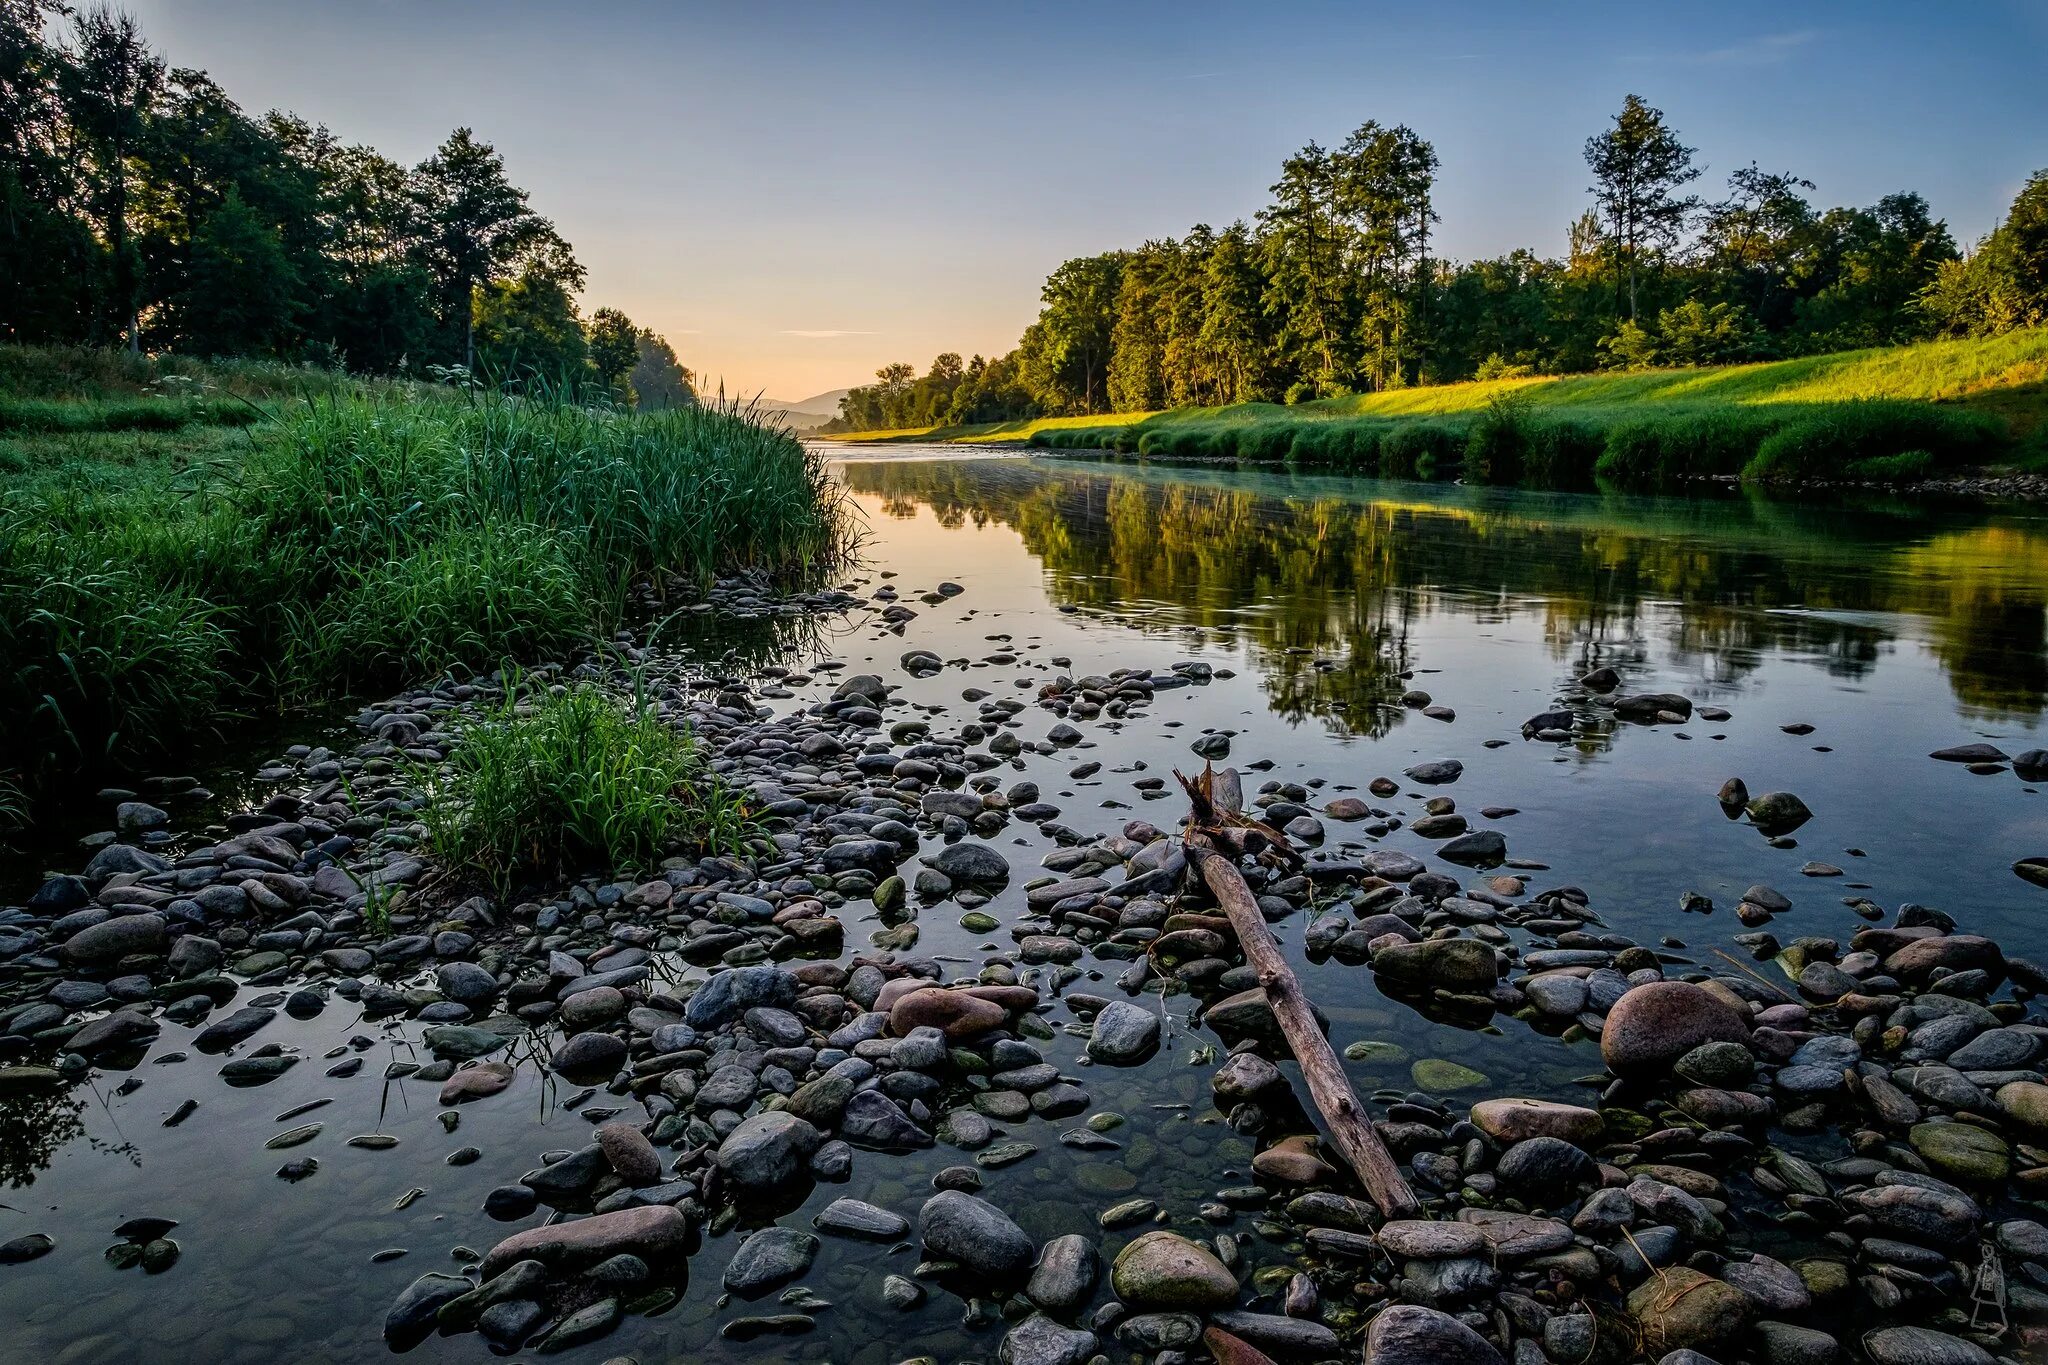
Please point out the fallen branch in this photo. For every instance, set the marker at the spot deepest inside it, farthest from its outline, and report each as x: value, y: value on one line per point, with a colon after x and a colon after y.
x: 1351, y: 1132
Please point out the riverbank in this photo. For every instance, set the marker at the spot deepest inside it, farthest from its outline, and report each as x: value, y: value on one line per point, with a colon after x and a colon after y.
x: 180, y: 545
x: 770, y: 1121
x: 1897, y: 415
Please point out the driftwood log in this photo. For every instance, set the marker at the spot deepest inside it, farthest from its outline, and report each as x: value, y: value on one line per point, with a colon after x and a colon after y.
x: 1217, y: 834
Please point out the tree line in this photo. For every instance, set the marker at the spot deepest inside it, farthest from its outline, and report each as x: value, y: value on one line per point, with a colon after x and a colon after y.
x: 1332, y: 289
x: 141, y: 207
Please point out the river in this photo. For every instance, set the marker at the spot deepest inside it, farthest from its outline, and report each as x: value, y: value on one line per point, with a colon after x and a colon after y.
x: 1890, y: 629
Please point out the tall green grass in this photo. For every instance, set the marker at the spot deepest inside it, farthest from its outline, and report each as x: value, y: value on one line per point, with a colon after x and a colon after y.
x: 54, y: 415
x: 1513, y: 441
x: 361, y: 539
x: 549, y: 781
x: 496, y: 590
x: 91, y: 374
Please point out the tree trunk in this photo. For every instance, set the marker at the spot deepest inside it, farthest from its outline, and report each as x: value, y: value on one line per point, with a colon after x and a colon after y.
x: 124, y: 276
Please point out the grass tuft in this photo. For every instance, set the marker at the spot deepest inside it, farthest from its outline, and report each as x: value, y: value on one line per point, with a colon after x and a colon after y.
x: 549, y: 781
x: 1836, y: 441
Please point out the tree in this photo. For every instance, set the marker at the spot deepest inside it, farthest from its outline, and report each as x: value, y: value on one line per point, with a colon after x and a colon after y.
x: 1632, y: 347
x: 2027, y: 225
x: 1136, y: 368
x: 1067, y: 350
x: 111, y: 81
x: 1698, y: 334
x: 1504, y: 310
x: 205, y: 159
x: 478, y: 226
x: 1381, y: 198
x: 1755, y: 237
x: 1232, y: 340
x: 375, y: 308
x: 241, y: 291
x: 2003, y: 284
x: 614, y: 345
x: 1304, y: 261
x: 48, y: 258
x: 1859, y: 278
x: 659, y: 379
x: 526, y: 331
x: 1638, y: 167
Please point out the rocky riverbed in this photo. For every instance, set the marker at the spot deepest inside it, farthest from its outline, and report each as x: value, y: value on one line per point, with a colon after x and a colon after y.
x: 958, y: 1063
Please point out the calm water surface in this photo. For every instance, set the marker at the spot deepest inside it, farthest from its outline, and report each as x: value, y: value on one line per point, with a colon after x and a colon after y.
x: 1892, y: 629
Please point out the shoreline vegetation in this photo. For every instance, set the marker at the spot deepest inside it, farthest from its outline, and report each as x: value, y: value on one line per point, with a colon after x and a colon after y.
x: 1895, y: 414
x: 148, y: 212
x: 181, y: 545
x: 1756, y: 334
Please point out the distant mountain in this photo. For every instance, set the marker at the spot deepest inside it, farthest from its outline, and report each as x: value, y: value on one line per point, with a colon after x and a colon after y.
x: 804, y: 415
x: 820, y: 405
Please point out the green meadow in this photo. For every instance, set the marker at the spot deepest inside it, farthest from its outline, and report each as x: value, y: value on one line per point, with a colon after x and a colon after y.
x: 1889, y: 414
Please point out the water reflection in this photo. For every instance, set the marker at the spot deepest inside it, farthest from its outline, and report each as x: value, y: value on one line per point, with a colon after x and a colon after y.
x: 34, y: 1123
x: 1327, y: 579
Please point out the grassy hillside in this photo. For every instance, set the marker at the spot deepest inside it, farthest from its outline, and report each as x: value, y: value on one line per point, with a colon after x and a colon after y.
x: 1977, y: 399
x: 179, y: 543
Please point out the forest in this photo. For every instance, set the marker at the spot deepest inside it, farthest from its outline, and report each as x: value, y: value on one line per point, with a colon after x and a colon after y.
x: 1333, y: 291
x: 142, y: 208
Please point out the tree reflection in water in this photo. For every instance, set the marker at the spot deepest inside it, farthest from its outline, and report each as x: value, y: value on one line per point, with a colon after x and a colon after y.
x: 1328, y: 579
x: 33, y: 1125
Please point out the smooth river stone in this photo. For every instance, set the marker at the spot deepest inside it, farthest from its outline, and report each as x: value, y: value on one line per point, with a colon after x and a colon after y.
x: 1514, y: 1120
x: 654, y: 1233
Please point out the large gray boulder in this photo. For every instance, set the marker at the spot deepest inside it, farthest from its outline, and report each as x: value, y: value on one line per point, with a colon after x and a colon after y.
x: 1410, y: 1335
x: 729, y: 994
x: 976, y: 1235
x: 1125, y: 1034
x: 767, y: 1152
x: 119, y: 937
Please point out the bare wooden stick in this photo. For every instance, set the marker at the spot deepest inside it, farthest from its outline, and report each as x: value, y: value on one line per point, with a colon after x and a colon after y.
x: 1351, y: 1132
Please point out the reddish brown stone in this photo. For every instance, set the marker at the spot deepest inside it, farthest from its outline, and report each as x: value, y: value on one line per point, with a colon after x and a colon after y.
x: 954, y: 1013
x: 654, y: 1233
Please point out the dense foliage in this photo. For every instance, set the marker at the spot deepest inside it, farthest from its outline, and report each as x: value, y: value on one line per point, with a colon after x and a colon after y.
x: 141, y: 207
x: 159, y: 575
x: 1332, y: 290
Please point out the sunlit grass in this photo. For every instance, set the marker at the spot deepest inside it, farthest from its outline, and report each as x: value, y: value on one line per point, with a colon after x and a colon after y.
x: 154, y: 579
x: 548, y: 781
x: 2005, y: 377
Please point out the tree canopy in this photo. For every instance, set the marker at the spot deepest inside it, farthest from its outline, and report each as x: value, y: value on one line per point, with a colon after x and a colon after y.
x: 1332, y: 288
x: 141, y: 206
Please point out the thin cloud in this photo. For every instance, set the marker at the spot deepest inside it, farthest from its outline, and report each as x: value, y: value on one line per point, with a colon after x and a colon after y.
x: 824, y: 333
x: 1767, y: 50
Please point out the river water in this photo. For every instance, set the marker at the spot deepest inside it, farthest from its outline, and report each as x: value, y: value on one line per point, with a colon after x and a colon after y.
x: 1889, y: 628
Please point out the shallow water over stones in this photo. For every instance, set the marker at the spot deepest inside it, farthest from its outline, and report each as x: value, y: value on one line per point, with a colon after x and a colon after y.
x: 1295, y: 608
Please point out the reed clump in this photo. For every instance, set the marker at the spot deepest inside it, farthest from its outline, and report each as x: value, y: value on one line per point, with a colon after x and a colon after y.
x: 548, y: 781
x: 152, y: 584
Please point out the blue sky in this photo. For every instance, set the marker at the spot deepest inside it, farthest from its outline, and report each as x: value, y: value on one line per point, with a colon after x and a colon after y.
x: 797, y: 193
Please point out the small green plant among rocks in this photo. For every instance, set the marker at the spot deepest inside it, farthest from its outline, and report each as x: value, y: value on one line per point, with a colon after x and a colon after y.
x: 550, y: 780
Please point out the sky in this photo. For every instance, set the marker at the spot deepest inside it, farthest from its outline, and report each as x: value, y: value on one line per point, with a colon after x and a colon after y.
x: 797, y: 193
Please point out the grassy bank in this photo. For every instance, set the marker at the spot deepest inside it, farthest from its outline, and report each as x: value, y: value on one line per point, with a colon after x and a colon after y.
x: 160, y: 575
x: 1891, y: 413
